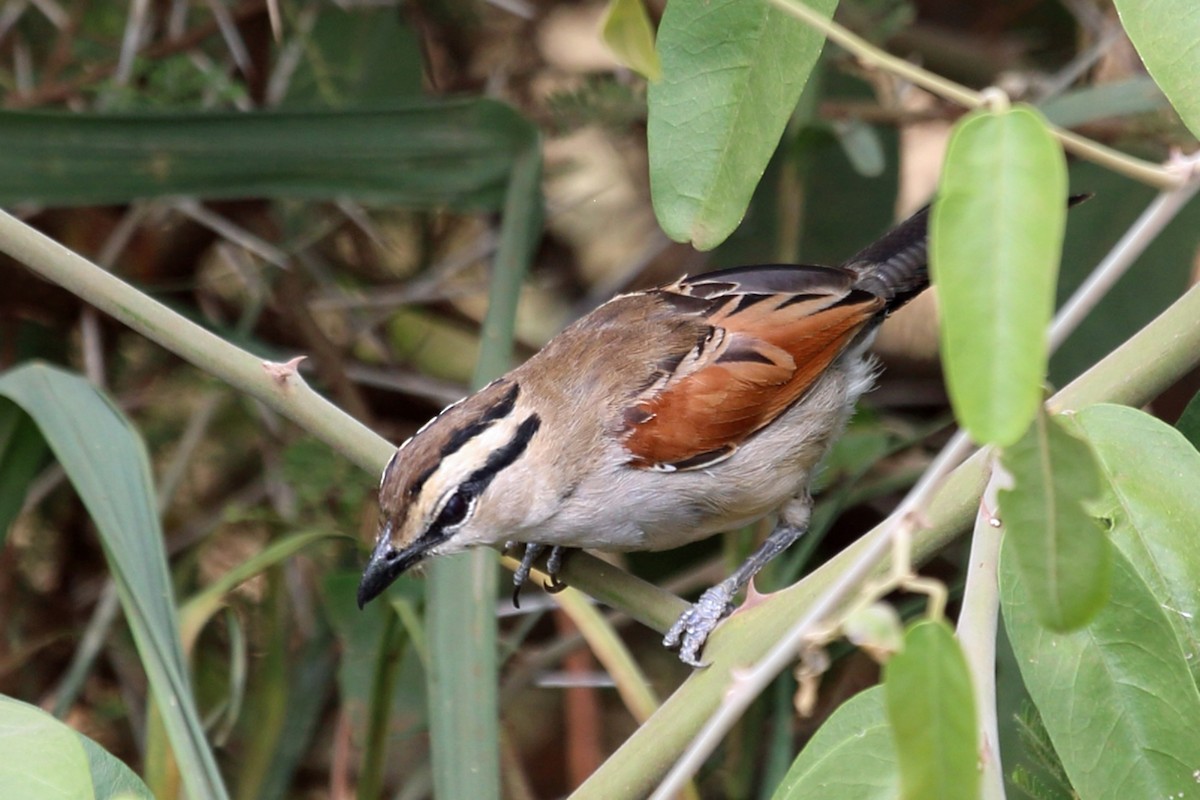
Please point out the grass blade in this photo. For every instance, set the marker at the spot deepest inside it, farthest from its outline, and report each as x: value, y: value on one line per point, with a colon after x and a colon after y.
x: 107, y: 464
x: 429, y: 152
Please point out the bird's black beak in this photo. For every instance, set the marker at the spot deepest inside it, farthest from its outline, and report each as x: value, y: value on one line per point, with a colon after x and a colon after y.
x: 386, y: 564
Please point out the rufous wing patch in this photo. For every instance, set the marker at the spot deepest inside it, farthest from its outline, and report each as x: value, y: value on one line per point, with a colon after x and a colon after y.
x: 771, y: 354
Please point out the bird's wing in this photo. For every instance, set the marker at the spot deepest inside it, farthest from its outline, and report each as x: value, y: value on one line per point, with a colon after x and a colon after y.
x: 769, y: 334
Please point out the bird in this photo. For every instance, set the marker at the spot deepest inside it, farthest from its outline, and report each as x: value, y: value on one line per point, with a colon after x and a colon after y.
x: 662, y: 417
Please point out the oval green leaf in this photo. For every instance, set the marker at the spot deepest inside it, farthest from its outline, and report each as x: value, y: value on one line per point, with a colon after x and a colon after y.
x: 1153, y: 501
x: 1165, y: 33
x: 39, y: 756
x: 627, y: 32
x: 732, y: 75
x: 931, y: 709
x: 994, y: 243
x: 106, y: 463
x: 851, y: 756
x: 1058, y: 545
x: 1116, y: 696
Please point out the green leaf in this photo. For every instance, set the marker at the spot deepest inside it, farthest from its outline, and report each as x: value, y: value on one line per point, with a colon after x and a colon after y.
x: 1153, y: 501
x: 22, y: 454
x: 931, y: 709
x: 39, y: 756
x: 628, y: 33
x: 110, y: 777
x: 1125, y: 98
x: 1116, y: 696
x: 1060, y: 547
x: 106, y: 463
x: 851, y: 756
x: 1165, y: 33
x: 428, y: 152
x: 1188, y: 423
x: 733, y: 71
x: 995, y: 240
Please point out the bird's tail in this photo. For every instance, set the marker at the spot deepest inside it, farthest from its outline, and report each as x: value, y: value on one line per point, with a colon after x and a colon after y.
x: 896, y: 266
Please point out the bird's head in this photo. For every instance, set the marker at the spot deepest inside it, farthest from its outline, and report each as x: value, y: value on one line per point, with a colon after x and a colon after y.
x: 434, y: 497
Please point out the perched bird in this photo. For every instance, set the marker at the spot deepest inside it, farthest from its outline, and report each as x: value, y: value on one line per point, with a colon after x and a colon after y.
x: 662, y: 417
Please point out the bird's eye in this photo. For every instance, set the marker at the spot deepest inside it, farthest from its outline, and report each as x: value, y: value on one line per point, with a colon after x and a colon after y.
x: 454, y: 512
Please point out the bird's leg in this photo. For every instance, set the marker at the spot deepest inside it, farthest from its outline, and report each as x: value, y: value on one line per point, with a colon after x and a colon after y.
x: 554, y: 563
x: 532, y: 551
x: 691, y: 630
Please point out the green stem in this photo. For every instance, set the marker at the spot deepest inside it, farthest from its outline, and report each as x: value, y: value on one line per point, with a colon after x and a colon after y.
x: 1143, y: 171
x: 976, y: 630
x: 461, y: 596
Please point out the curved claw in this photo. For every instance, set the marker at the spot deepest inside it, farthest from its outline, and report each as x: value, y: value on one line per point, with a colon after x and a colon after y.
x: 554, y: 563
x: 692, y: 629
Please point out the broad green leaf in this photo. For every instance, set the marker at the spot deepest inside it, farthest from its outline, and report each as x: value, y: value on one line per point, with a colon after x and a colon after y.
x: 1154, y: 502
x: 22, y: 453
x: 1165, y: 33
x: 733, y: 71
x: 995, y: 239
x: 628, y: 33
x: 112, y: 779
x: 1116, y: 696
x: 40, y: 758
x: 931, y: 709
x: 106, y: 463
x: 1060, y: 546
x: 429, y: 152
x: 851, y: 756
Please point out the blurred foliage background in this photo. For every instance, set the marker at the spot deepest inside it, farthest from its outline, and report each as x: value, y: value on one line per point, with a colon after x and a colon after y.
x: 356, y: 226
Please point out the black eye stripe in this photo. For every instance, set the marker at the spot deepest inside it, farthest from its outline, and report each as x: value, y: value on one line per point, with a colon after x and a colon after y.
x: 501, y: 458
x: 499, y: 411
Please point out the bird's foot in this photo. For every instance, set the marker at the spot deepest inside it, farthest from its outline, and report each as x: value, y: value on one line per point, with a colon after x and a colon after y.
x: 554, y: 563
x: 691, y: 630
